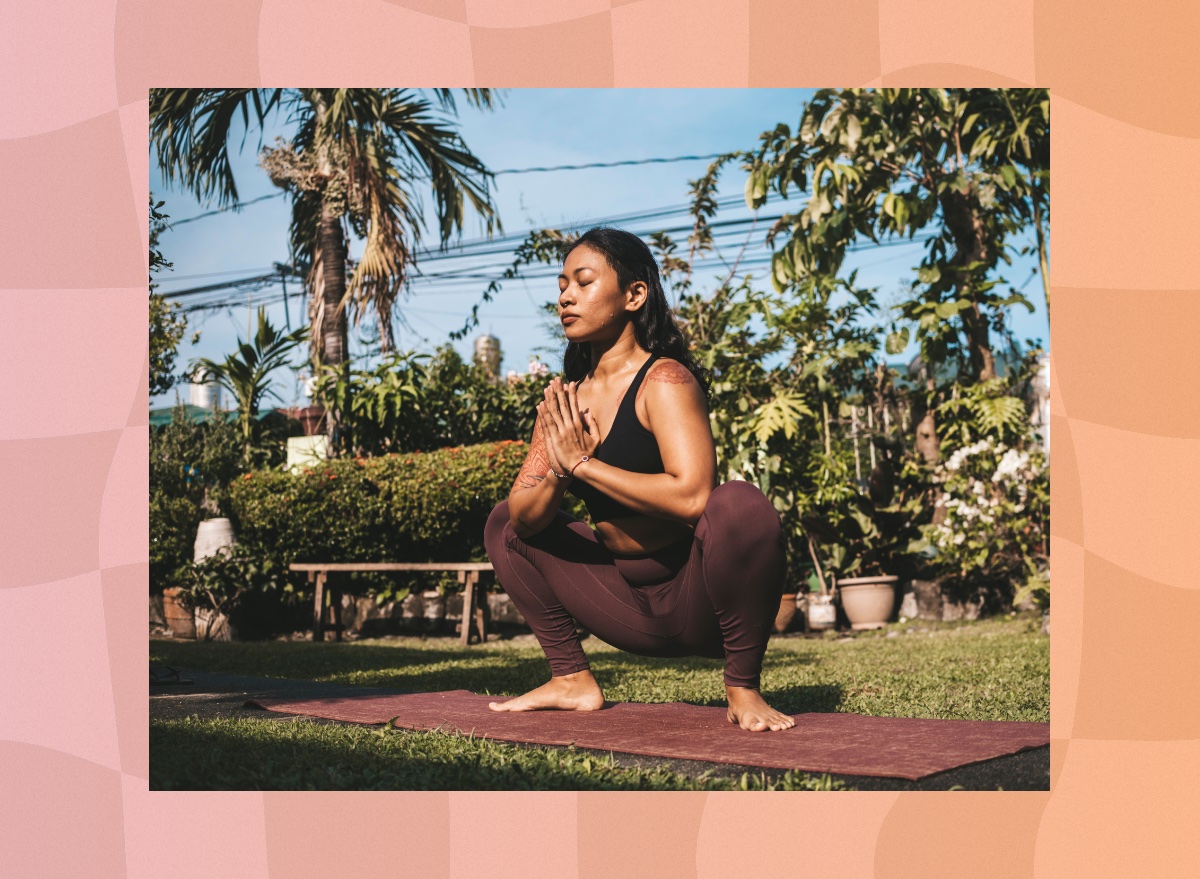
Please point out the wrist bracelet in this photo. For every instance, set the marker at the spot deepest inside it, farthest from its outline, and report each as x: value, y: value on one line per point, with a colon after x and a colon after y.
x: 577, y: 463
x: 560, y: 475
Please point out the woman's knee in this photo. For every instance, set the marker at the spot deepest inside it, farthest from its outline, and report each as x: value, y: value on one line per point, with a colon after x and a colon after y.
x: 493, y: 529
x: 741, y: 507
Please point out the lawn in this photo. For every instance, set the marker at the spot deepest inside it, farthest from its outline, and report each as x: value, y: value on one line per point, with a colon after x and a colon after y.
x: 996, y: 669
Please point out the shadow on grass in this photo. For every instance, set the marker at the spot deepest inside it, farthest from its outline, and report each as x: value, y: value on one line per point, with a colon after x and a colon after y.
x: 301, y: 755
x: 435, y: 667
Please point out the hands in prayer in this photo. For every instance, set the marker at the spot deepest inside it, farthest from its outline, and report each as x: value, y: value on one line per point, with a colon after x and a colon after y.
x: 570, y: 434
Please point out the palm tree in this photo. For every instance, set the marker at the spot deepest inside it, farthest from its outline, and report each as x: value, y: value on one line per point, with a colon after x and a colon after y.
x: 357, y: 156
x: 246, y: 374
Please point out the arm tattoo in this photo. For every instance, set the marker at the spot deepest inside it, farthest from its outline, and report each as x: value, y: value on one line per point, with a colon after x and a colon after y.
x: 537, y: 462
x: 670, y: 372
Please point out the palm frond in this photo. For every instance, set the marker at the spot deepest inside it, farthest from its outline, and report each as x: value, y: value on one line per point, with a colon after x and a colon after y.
x: 189, y: 131
x: 483, y: 99
x: 438, y: 154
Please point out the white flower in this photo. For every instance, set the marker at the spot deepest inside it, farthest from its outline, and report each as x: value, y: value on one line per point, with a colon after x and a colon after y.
x: 959, y: 538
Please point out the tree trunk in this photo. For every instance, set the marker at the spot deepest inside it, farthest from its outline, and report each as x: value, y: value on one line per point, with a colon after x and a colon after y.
x: 331, y: 324
x: 1043, y: 257
x: 333, y: 276
x: 334, y: 330
x: 966, y: 227
x: 983, y: 361
x: 928, y: 444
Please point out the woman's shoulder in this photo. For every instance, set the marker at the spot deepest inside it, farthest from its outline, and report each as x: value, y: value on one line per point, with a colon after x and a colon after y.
x: 664, y: 373
x: 668, y: 370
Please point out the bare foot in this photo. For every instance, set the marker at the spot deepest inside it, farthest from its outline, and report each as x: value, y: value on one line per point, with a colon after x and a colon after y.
x: 747, y: 708
x: 577, y: 691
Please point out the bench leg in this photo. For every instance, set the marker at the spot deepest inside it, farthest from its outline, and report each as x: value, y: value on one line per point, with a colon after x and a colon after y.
x: 335, y: 610
x: 482, y: 612
x: 319, y: 607
x: 468, y: 606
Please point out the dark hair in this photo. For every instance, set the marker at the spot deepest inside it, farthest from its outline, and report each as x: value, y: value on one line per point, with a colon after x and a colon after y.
x: 654, y: 325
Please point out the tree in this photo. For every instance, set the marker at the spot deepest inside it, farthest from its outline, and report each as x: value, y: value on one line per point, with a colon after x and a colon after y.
x: 167, y: 326
x: 357, y: 156
x: 246, y: 374
x: 879, y: 163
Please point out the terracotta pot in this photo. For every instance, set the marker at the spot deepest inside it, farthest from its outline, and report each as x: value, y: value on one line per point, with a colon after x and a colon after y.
x: 787, y: 610
x: 181, y: 621
x: 868, y: 601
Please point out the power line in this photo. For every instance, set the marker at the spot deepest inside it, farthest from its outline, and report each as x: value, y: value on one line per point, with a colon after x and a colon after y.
x: 486, y: 246
x: 241, y: 204
x: 605, y: 164
x: 232, y: 207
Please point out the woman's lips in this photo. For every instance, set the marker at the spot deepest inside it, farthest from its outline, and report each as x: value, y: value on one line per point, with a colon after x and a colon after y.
x: 570, y: 318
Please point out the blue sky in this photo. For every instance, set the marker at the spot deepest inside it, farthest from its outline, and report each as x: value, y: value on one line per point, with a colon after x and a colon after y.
x: 533, y: 128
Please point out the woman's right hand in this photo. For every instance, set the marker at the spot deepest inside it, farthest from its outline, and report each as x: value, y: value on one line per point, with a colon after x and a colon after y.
x: 552, y: 453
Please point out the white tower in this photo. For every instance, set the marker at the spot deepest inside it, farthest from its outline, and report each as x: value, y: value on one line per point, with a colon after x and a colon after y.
x: 487, y: 355
x: 206, y: 396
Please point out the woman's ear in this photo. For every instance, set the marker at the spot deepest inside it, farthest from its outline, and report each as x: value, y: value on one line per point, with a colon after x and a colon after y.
x: 637, y: 295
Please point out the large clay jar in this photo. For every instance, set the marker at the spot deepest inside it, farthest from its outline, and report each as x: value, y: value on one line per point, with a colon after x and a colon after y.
x: 212, y: 536
x: 868, y: 601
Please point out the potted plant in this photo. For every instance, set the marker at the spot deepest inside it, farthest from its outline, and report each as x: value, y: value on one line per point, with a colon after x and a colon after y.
x: 867, y: 544
x: 217, y: 585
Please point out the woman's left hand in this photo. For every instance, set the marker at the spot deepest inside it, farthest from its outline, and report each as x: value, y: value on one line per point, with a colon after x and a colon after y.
x: 572, y: 434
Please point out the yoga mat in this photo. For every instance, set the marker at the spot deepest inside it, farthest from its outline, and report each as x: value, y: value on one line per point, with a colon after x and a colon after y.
x: 845, y: 744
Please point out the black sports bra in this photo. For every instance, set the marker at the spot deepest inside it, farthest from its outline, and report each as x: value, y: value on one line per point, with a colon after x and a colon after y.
x: 628, y: 446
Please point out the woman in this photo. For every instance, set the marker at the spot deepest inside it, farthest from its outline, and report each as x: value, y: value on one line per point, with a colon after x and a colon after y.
x: 677, y: 565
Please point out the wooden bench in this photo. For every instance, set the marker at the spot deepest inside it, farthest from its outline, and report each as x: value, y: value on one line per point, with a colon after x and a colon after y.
x: 474, y: 605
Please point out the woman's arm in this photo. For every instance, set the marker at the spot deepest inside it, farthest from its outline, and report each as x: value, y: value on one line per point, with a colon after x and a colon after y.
x: 678, y: 419
x: 537, y: 493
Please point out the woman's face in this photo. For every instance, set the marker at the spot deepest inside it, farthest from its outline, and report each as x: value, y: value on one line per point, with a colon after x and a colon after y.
x: 591, y: 304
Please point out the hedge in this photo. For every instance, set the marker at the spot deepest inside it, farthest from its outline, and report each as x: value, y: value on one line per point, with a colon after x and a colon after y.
x: 401, y: 507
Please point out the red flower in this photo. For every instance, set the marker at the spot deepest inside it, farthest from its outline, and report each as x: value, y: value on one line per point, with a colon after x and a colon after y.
x: 247, y: 476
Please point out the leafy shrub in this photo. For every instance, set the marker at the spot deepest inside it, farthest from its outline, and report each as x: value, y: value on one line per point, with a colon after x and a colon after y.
x: 191, y: 463
x: 228, y: 580
x: 404, y: 404
x: 997, y: 500
x: 410, y: 507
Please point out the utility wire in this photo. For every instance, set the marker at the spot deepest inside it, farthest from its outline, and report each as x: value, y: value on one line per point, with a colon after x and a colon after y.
x: 241, y: 204
x: 476, y: 247
x: 233, y: 207
x: 605, y: 164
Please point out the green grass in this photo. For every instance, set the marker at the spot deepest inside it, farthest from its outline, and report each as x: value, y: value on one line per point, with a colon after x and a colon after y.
x: 995, y: 669
x: 299, y: 754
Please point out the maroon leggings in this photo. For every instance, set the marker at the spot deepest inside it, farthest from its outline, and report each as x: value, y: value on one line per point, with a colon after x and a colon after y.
x: 715, y: 593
